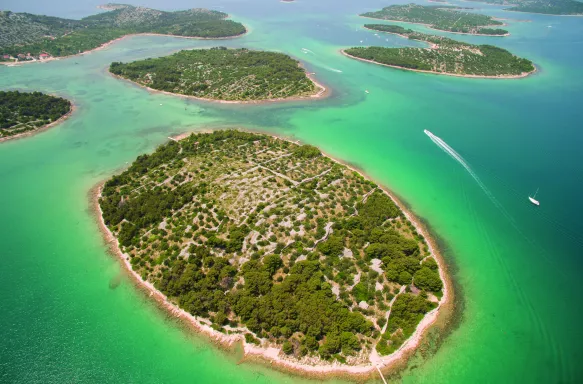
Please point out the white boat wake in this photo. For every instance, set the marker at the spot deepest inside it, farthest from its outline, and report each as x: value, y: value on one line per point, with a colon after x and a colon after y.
x: 450, y: 151
x: 306, y: 50
x: 333, y: 69
x: 456, y: 156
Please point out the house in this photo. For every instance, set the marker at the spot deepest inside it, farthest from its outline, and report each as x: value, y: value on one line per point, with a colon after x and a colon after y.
x: 6, y: 56
x: 44, y: 56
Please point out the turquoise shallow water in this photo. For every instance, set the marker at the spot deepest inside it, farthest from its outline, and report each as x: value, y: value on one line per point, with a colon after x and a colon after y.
x: 517, y: 267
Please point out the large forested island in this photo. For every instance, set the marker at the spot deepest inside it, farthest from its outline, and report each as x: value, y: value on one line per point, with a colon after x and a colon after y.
x: 547, y: 7
x: 238, y: 75
x: 272, y: 243
x: 26, y: 112
x: 444, y: 56
x: 27, y: 37
x: 442, y: 18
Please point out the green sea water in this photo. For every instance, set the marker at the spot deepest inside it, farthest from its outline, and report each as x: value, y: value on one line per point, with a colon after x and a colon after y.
x: 64, y: 319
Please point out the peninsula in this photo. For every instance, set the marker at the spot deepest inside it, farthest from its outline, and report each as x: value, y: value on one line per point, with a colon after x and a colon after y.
x: 444, y: 18
x: 546, y: 7
x: 444, y: 56
x: 259, y: 240
x: 27, y: 37
x: 221, y: 74
x: 23, y: 113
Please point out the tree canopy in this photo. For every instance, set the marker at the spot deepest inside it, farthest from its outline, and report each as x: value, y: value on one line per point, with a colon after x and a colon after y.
x: 27, y: 111
x: 221, y: 74
x: 271, y: 240
x: 24, y: 33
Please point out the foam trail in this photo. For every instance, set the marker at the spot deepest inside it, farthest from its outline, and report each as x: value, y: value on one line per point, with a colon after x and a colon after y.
x: 306, y: 50
x: 333, y: 69
x: 450, y: 151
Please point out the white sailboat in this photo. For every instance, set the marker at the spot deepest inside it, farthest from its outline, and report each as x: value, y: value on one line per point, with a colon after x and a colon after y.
x: 533, y: 199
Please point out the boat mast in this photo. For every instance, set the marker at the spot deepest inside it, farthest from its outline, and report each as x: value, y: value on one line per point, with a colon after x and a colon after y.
x: 535, y: 193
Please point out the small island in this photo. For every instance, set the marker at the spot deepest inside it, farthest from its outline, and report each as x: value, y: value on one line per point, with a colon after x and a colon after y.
x: 259, y: 240
x: 25, y: 37
x: 24, y: 113
x: 221, y: 74
x: 545, y: 7
x: 444, y: 56
x: 443, y: 18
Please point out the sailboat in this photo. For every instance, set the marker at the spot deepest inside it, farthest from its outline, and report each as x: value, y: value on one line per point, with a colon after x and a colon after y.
x: 533, y: 200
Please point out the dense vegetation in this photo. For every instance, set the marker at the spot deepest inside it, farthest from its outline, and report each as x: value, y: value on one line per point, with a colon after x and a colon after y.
x: 23, y: 33
x: 221, y: 74
x: 273, y: 241
x: 23, y: 112
x: 549, y: 7
x: 445, y: 55
x: 440, y: 17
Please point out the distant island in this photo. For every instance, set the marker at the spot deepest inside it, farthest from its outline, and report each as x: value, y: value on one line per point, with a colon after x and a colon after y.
x: 445, y: 56
x: 259, y: 240
x: 26, y: 37
x: 221, y: 74
x: 546, y: 7
x: 444, y: 18
x: 24, y: 113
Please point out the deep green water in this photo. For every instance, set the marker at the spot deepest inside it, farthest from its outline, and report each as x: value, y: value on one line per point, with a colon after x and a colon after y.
x: 517, y: 267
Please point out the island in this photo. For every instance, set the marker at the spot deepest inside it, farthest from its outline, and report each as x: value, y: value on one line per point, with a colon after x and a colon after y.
x: 24, y: 113
x: 26, y: 37
x: 221, y: 74
x: 443, y: 18
x: 258, y: 240
x: 546, y: 7
x: 444, y: 56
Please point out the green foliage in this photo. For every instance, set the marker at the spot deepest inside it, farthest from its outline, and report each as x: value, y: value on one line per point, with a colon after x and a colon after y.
x: 288, y: 348
x: 376, y: 210
x: 22, y: 112
x: 438, y: 17
x: 406, y: 313
x: 445, y: 55
x: 219, y: 245
x: 427, y: 279
x: 431, y: 264
x: 548, y: 7
x: 401, y: 269
x: 35, y: 34
x: 333, y: 246
x: 221, y: 74
x: 389, y: 28
x: 249, y: 338
x: 311, y: 343
x: 272, y: 263
x: 302, y: 302
x: 362, y: 292
x: 307, y: 151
